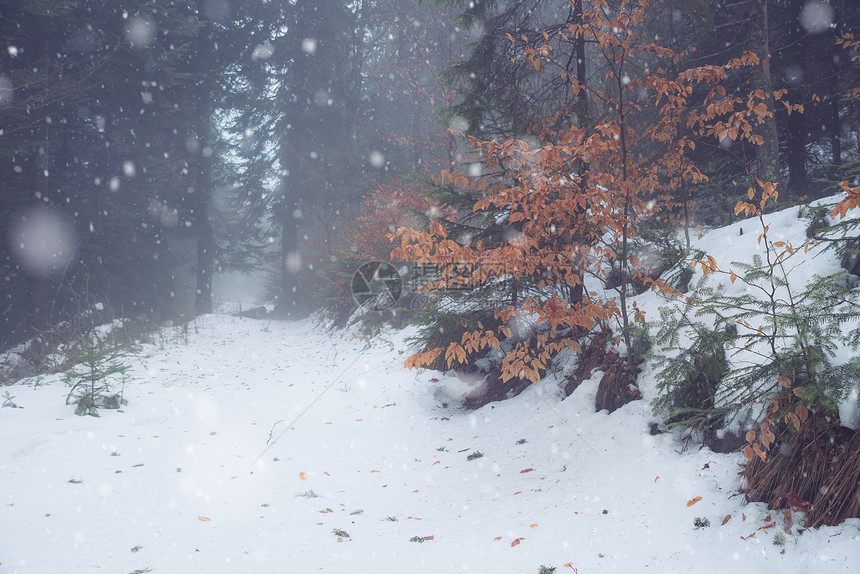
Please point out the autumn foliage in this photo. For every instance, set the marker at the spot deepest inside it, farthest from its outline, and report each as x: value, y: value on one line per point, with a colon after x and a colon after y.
x: 388, y: 207
x: 573, y: 196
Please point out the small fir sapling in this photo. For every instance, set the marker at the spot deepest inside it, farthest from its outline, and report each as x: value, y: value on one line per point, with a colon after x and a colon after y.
x: 773, y: 330
x: 99, y: 366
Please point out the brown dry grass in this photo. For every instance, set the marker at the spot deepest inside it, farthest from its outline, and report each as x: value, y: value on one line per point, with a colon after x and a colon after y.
x: 617, y: 386
x: 817, y: 472
x: 593, y: 357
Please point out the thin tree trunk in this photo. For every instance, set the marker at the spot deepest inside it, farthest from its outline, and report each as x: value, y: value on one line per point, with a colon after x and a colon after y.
x: 576, y: 292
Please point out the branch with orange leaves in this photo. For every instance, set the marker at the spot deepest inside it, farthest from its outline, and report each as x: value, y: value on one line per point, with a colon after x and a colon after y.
x: 851, y: 201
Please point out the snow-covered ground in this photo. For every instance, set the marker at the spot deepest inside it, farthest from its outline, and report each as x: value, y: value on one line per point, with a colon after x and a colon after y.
x: 252, y: 446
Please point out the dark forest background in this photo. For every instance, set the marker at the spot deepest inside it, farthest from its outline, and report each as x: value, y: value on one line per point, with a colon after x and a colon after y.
x: 147, y: 146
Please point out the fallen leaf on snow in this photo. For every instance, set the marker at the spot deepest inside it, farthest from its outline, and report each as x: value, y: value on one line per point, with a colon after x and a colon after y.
x: 518, y: 492
x: 517, y: 541
x: 497, y: 538
x: 372, y: 471
x: 526, y: 470
x: 532, y: 525
x: 727, y: 518
x: 694, y: 501
x: 204, y: 519
x: 302, y: 476
x: 656, y: 477
x: 437, y: 462
x: 796, y: 503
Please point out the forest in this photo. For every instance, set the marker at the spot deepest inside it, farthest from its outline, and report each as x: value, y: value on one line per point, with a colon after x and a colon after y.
x: 522, y: 170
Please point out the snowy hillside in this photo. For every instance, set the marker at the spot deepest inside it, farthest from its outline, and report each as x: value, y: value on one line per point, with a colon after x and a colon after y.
x: 254, y: 446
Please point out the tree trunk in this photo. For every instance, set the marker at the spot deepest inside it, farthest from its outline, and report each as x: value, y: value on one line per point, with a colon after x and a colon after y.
x: 833, y: 105
x: 203, y: 205
x: 203, y: 176
x: 576, y: 292
x: 797, y: 175
x: 292, y: 153
x: 767, y: 154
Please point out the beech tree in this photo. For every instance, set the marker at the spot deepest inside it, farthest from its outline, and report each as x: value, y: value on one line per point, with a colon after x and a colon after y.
x: 637, y: 145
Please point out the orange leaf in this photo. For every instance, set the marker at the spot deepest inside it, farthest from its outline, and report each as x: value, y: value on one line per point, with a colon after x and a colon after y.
x: 694, y: 501
x: 526, y: 470
x: 727, y: 518
x: 517, y: 541
x: 431, y: 537
x: 795, y: 420
x: 532, y: 525
x: 372, y: 471
x: 518, y: 492
x: 497, y: 538
x: 302, y: 476
x: 204, y: 519
x: 437, y: 462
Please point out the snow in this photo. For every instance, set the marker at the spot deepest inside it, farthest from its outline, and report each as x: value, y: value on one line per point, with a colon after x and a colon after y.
x: 42, y: 241
x: 246, y: 444
x: 816, y: 16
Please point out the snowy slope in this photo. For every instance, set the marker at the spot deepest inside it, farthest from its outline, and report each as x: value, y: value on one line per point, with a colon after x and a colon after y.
x: 183, y: 480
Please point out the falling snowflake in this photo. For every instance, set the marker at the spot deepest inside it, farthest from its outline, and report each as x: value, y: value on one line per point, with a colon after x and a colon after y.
x: 816, y: 16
